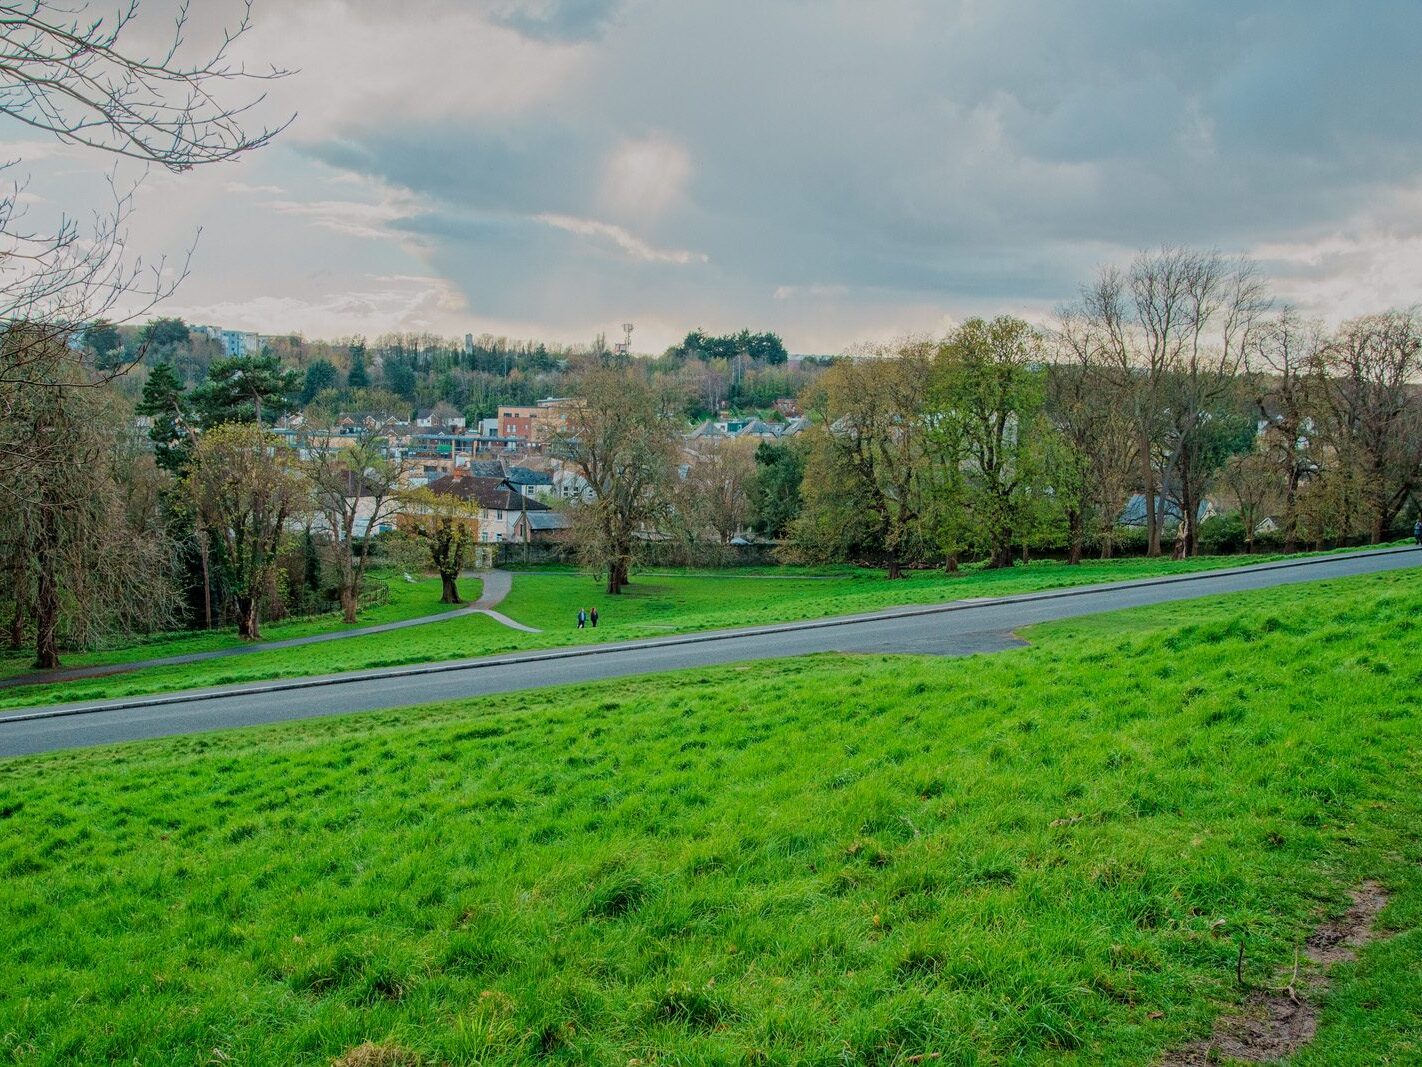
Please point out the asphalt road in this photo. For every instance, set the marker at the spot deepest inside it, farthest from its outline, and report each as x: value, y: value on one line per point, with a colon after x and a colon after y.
x: 957, y: 629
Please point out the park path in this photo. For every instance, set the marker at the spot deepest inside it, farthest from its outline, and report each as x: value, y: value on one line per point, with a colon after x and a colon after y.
x: 496, y: 586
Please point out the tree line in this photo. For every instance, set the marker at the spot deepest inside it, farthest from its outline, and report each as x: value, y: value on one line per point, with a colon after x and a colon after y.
x: 1171, y: 388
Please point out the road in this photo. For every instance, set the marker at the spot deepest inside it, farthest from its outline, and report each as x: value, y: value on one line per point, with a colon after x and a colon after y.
x: 956, y: 629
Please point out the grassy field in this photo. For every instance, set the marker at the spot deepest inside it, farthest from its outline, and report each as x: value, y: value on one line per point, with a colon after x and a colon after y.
x: 654, y: 605
x: 1047, y: 855
x: 408, y: 600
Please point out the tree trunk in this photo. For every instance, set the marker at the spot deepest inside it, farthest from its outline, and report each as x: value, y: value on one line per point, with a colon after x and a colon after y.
x: 1148, y: 488
x: 47, y: 596
x: 895, y: 569
x: 449, y: 590
x: 249, y: 626
x: 617, y: 574
x: 348, y: 603
x: 951, y: 563
x: 206, y: 581
x: 1076, y: 526
x: 17, y: 625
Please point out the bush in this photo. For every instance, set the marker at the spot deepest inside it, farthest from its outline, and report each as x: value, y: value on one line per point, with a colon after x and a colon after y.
x: 1221, y: 534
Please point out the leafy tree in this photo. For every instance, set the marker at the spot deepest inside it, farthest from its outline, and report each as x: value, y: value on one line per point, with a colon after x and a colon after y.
x: 350, y: 484
x: 870, y: 468
x: 166, y: 406
x: 244, y: 485
x: 357, y: 377
x: 162, y: 333
x: 400, y: 380
x: 246, y: 389
x: 775, y: 488
x: 987, y: 383
x: 103, y: 338
x: 446, y: 524
x: 321, y: 375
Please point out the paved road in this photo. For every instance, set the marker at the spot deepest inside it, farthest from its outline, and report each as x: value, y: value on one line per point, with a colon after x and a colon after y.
x: 953, y: 630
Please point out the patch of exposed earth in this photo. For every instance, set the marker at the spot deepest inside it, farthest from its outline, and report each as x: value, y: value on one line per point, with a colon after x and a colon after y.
x: 1277, y: 1022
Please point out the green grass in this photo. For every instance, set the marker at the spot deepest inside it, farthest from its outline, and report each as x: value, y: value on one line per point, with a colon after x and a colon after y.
x: 407, y: 600
x: 1041, y: 856
x: 654, y: 605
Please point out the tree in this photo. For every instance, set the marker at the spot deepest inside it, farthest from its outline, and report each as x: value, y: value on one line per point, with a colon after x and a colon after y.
x: 165, y: 405
x: 775, y: 487
x: 868, y: 472
x: 714, y: 493
x: 1375, y: 411
x: 1089, y: 467
x: 246, y: 389
x: 164, y: 333
x: 356, y: 377
x: 445, y: 523
x: 987, y: 382
x: 1287, y: 356
x: 90, y: 81
x: 352, y: 485
x: 399, y: 379
x: 621, y: 438
x: 1252, y: 479
x: 1176, y: 317
x: 84, y: 559
x: 244, y: 485
x: 321, y: 375
x: 102, y: 338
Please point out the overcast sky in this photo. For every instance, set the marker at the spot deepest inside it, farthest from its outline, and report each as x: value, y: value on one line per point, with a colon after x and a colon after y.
x: 833, y: 171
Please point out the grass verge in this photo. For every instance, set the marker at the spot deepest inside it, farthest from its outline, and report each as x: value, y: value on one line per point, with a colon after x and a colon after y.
x: 1046, y: 855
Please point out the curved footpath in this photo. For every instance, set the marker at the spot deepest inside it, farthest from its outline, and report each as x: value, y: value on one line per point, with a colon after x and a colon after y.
x: 954, y: 629
x: 496, y: 586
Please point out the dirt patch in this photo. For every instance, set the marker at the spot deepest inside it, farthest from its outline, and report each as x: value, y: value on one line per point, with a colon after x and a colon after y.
x: 1277, y: 1022
x: 370, y: 1054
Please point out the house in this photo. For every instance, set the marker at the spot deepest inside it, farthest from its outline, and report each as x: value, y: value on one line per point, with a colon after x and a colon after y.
x: 535, y: 527
x: 1134, y: 513
x: 501, y: 507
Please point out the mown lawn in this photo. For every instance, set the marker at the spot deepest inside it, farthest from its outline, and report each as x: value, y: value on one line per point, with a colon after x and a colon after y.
x: 654, y: 605
x: 1046, y: 855
x: 408, y: 600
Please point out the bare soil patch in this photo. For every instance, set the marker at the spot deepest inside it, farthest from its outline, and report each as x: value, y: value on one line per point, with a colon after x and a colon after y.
x: 370, y: 1054
x: 1277, y: 1022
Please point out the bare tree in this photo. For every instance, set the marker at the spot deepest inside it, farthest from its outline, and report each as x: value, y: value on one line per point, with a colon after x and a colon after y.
x: 355, y: 485
x: 714, y: 493
x: 621, y: 439
x: 88, y: 80
x: 1177, y: 318
x: 1287, y: 356
x: 1375, y: 409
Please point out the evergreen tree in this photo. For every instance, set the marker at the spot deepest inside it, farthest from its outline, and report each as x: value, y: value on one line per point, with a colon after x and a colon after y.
x: 165, y: 405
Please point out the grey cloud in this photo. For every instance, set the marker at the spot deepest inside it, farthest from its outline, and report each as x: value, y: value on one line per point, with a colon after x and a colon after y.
x: 961, y: 153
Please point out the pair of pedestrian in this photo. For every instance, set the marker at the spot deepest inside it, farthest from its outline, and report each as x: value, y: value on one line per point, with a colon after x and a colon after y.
x: 585, y: 616
x: 1417, y: 532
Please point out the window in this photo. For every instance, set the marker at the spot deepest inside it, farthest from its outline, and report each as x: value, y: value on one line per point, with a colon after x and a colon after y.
x: 499, y: 514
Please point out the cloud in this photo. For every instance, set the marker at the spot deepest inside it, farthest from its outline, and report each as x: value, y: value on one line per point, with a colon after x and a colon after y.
x: 833, y: 171
x: 632, y: 245
x: 243, y: 188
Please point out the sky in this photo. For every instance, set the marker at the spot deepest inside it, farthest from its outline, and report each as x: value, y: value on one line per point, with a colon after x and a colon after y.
x: 838, y: 171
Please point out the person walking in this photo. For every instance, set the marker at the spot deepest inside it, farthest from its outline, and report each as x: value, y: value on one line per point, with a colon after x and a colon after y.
x: 592, y: 615
x: 1417, y: 532
x: 582, y: 618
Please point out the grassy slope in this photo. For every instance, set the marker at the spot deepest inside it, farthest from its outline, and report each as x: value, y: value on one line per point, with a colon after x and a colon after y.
x: 653, y: 606
x: 1040, y: 856
x: 408, y: 600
